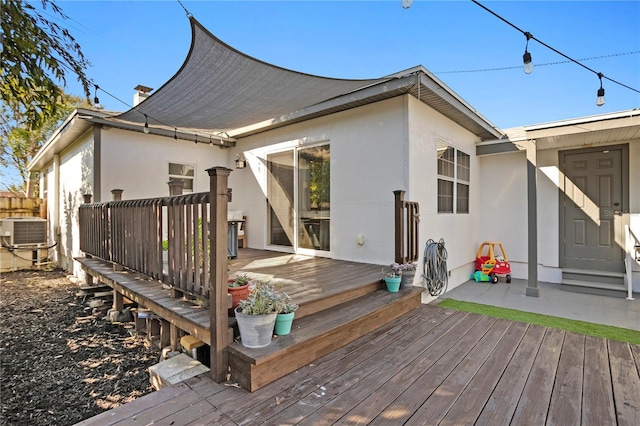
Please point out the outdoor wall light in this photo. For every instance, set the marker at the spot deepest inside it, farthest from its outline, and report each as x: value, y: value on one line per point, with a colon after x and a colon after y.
x: 526, y: 58
x: 600, y: 100
x: 241, y: 163
x: 146, y: 125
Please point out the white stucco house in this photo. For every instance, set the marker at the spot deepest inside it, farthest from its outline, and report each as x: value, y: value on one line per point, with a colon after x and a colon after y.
x: 325, y: 155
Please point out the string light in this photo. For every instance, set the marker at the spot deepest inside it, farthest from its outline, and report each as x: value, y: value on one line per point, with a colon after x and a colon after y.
x: 526, y: 58
x: 96, y: 101
x: 544, y: 64
x: 222, y: 136
x: 600, y: 99
x: 196, y: 141
x: 600, y: 75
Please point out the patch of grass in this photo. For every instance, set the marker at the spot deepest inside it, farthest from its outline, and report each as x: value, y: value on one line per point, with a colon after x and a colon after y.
x: 574, y: 326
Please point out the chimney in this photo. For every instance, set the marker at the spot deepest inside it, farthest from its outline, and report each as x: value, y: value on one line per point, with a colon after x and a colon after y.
x: 142, y: 93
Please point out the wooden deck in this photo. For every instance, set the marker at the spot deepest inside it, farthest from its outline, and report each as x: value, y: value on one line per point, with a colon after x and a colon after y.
x: 314, y: 283
x: 339, y: 302
x: 430, y: 366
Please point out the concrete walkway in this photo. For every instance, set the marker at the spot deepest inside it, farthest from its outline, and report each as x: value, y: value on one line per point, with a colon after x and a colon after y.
x: 613, y: 311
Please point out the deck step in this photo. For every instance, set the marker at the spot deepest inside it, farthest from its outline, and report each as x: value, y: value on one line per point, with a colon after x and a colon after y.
x: 598, y: 277
x: 601, y: 283
x: 590, y: 287
x: 318, y: 334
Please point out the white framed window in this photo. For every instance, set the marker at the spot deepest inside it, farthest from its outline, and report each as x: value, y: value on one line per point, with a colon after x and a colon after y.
x: 186, y: 172
x: 454, y: 176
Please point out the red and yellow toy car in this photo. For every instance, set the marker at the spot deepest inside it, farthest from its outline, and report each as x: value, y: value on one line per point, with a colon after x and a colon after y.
x: 492, y: 261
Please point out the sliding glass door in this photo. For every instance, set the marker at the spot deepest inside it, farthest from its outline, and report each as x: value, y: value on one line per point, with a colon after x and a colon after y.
x: 299, y: 202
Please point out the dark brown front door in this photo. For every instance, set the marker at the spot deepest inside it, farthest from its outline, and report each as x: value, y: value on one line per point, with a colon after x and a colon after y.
x: 592, y: 201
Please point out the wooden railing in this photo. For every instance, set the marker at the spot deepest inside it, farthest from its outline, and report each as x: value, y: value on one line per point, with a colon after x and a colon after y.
x: 407, y: 220
x: 163, y: 238
x: 191, y: 230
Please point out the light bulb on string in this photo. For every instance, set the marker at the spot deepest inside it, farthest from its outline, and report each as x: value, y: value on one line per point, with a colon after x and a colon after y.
x: 175, y: 134
x: 600, y: 100
x: 146, y: 125
x: 526, y: 58
x: 95, y: 95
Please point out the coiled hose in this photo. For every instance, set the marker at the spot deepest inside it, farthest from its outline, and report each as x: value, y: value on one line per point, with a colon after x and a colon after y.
x: 435, y: 267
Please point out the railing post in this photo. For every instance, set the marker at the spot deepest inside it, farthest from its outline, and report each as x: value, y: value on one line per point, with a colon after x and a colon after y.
x: 399, y: 226
x: 218, y: 229
x: 116, y: 194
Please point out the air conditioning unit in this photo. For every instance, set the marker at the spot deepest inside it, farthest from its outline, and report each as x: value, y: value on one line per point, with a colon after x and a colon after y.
x: 23, y: 231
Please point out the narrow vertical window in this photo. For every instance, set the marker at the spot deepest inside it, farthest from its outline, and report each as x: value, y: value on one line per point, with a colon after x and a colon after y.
x: 454, y: 176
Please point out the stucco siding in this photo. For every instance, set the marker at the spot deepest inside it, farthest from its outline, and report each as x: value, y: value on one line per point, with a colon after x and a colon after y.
x: 508, y: 206
x: 76, y: 179
x: 138, y: 163
x: 368, y: 157
x: 460, y: 231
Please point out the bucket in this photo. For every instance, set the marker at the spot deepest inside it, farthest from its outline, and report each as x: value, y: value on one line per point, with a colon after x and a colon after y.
x: 256, y: 331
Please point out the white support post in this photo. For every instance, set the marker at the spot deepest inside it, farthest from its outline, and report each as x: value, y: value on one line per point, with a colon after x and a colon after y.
x: 628, y: 261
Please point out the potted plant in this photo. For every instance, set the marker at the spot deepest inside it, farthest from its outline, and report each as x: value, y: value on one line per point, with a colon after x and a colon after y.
x: 256, y: 315
x: 392, y: 280
x: 284, y: 320
x: 238, y: 288
x: 407, y: 271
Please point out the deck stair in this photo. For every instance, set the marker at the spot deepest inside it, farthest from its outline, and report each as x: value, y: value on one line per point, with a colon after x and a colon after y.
x: 594, y: 282
x: 318, y: 334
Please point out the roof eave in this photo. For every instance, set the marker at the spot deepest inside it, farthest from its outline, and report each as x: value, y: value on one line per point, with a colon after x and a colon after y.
x: 71, y: 128
x: 397, y: 84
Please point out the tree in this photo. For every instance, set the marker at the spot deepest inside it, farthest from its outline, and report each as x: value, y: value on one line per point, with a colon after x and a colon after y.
x: 19, y: 143
x: 37, y: 54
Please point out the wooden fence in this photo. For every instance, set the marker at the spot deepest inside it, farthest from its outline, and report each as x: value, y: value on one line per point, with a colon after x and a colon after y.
x: 18, y: 206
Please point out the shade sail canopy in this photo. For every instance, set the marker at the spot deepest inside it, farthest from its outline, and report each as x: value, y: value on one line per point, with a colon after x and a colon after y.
x: 220, y: 88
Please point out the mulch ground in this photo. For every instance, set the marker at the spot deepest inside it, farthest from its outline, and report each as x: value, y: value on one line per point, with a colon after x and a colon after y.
x: 59, y: 363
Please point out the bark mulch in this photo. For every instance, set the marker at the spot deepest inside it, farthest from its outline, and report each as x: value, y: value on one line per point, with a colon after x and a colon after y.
x: 59, y: 363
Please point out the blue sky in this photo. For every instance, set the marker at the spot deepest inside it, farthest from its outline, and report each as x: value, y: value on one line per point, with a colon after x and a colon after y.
x: 146, y: 42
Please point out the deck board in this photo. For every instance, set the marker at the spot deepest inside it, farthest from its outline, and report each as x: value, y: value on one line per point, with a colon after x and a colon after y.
x: 565, y: 407
x: 431, y: 364
x: 534, y: 401
x: 597, y: 407
x: 626, y: 384
x: 474, y: 397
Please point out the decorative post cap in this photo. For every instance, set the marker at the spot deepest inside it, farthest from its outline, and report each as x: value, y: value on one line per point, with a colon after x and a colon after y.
x: 117, y: 194
x: 219, y: 171
x: 176, y: 186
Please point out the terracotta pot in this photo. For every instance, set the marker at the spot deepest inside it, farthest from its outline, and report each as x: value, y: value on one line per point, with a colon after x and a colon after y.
x: 237, y: 294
